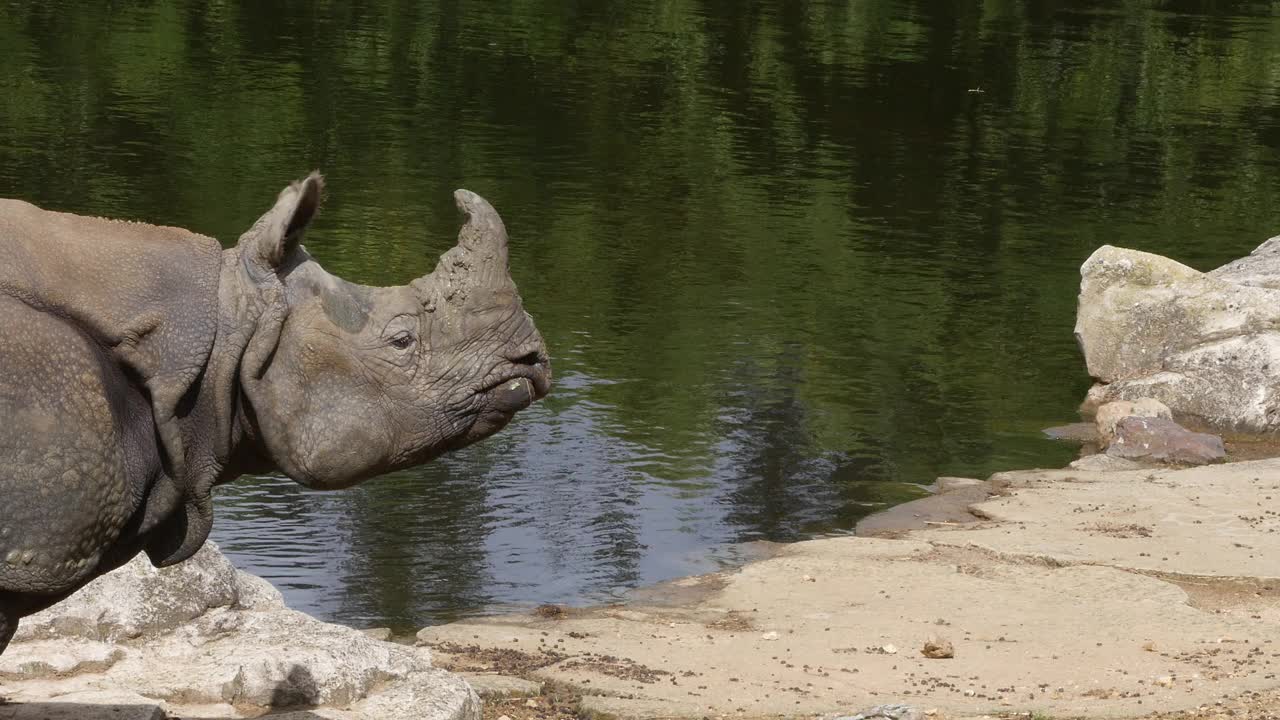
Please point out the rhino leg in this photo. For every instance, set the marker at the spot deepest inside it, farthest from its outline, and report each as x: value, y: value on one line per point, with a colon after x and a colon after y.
x: 74, y: 460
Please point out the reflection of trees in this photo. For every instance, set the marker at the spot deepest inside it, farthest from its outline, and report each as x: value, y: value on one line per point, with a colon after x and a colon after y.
x: 803, y: 192
x: 415, y: 550
x: 567, y: 505
x: 784, y: 486
x: 779, y: 484
x: 688, y: 142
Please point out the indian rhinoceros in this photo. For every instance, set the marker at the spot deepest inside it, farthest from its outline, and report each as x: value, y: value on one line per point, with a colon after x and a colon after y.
x: 140, y: 366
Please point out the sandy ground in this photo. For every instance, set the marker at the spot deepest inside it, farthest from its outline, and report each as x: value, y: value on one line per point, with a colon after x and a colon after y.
x: 1062, y: 593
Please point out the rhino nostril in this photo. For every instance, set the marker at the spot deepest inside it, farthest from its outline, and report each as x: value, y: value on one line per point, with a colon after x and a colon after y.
x: 530, y: 358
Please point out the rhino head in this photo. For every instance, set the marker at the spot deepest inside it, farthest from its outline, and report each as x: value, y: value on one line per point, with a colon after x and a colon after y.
x: 341, y: 382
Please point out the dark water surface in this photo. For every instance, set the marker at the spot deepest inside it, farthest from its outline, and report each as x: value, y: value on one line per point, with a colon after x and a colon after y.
x: 789, y: 257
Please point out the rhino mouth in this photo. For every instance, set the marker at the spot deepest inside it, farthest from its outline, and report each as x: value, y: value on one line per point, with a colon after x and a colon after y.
x: 501, y: 400
x: 516, y: 392
x: 512, y: 395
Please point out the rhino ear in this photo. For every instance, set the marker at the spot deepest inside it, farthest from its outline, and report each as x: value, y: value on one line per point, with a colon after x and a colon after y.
x: 275, y: 235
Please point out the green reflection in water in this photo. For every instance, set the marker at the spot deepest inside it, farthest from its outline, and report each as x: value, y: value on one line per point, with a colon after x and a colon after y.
x: 789, y: 257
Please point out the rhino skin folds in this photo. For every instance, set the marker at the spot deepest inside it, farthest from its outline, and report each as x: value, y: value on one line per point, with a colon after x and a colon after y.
x: 142, y: 365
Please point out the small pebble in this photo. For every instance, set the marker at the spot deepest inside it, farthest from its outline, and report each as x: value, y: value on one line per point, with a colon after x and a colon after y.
x: 936, y: 648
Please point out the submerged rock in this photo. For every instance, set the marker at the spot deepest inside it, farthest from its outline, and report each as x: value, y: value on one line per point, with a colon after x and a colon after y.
x: 378, y: 633
x: 947, y: 484
x: 1163, y: 440
x: 1082, y: 433
x: 1207, y: 345
x: 203, y: 635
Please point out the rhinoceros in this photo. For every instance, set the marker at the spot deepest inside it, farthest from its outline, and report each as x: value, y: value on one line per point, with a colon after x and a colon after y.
x: 140, y: 366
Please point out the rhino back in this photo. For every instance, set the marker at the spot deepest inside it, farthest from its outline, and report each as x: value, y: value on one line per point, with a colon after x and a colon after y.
x: 147, y: 292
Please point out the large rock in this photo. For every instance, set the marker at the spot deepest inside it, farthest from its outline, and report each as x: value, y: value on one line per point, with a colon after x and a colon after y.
x: 1207, y: 345
x: 1163, y: 440
x: 202, y: 639
x: 140, y: 599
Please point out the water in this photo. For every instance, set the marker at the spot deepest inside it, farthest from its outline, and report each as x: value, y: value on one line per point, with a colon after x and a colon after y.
x: 790, y: 258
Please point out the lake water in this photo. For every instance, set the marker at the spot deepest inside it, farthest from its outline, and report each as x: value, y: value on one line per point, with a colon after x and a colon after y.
x: 790, y: 258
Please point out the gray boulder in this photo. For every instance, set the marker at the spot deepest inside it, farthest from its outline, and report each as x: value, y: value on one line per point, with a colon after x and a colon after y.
x: 1163, y: 440
x: 1207, y: 345
x: 203, y: 639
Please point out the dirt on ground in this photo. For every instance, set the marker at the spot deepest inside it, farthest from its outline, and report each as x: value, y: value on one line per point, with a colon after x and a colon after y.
x: 1067, y: 594
x: 553, y: 704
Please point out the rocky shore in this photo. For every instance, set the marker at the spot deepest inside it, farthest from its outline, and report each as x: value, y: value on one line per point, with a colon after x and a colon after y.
x: 1068, y: 593
x: 204, y: 640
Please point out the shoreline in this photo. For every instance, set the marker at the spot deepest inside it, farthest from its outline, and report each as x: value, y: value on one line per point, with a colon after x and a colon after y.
x: 1120, y: 594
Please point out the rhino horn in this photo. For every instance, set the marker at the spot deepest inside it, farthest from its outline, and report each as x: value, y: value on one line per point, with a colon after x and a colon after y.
x: 475, y: 271
x: 483, y: 234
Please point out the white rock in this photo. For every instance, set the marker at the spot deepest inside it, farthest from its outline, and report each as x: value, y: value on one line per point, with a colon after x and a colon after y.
x: 271, y: 660
x: 771, y: 635
x: 1205, y: 345
x: 60, y: 658
x: 254, y: 593
x: 139, y: 599
x: 216, y: 643
x: 432, y: 694
x: 887, y: 712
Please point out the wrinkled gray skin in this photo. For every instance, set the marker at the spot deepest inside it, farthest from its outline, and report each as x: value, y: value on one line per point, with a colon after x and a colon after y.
x: 141, y: 365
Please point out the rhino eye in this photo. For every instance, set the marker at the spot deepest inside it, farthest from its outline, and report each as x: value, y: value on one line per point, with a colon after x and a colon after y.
x: 401, y: 340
